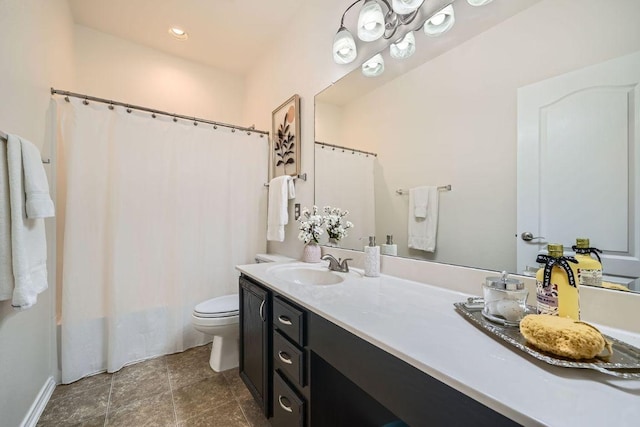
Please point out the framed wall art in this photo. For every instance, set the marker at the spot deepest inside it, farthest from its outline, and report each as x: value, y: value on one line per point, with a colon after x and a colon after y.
x: 285, y: 139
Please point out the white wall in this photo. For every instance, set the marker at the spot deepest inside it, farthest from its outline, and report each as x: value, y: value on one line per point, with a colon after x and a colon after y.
x: 113, y: 68
x: 550, y: 38
x: 36, y: 48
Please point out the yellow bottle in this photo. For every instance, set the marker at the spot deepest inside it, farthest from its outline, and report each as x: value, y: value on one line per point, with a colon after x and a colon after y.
x: 555, y: 294
x: 589, y: 269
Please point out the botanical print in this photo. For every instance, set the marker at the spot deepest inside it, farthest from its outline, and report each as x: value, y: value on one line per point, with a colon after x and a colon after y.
x: 285, y: 149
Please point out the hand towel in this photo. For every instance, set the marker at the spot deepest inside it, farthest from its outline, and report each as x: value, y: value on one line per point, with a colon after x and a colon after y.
x: 28, y: 245
x: 420, y: 197
x: 281, y: 189
x: 36, y: 187
x: 422, y: 231
x: 6, y: 268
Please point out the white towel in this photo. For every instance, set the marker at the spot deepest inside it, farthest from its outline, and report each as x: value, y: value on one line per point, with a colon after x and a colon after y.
x: 36, y: 187
x: 27, y: 245
x: 281, y: 189
x: 420, y: 196
x: 422, y: 231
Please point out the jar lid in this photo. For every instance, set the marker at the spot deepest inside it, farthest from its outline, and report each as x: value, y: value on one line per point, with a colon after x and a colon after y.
x: 504, y: 282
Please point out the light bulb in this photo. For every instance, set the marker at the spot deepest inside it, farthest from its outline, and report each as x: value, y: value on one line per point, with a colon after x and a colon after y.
x: 403, y: 7
x: 441, y: 22
x: 404, y: 48
x: 344, y: 47
x: 370, y: 21
x: 374, y: 66
x: 478, y: 2
x: 178, y: 33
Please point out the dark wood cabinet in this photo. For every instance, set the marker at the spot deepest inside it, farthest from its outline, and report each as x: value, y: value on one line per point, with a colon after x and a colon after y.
x: 255, y: 342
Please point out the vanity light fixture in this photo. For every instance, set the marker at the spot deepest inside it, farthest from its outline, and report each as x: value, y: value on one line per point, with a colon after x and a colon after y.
x: 374, y: 23
x: 178, y: 33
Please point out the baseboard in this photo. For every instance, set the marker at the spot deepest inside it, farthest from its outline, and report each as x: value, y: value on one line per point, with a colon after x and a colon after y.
x: 36, y: 409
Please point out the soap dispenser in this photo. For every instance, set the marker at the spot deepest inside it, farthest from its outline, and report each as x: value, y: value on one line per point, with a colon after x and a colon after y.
x: 389, y: 248
x: 556, y: 284
x: 589, y: 269
x: 372, y: 258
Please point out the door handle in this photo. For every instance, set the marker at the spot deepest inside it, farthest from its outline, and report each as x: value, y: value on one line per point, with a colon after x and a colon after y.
x: 528, y: 236
x: 262, y: 310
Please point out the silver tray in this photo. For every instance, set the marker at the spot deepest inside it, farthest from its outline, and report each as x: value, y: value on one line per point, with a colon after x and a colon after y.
x: 624, y: 363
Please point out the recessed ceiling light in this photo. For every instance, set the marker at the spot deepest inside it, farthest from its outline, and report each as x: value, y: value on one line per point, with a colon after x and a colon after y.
x: 178, y: 33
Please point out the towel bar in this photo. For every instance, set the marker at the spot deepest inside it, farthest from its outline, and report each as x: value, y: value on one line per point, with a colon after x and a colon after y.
x: 4, y: 137
x: 302, y: 176
x: 441, y: 188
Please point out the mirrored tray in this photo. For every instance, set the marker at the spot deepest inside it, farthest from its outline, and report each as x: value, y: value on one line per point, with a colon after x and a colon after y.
x: 624, y: 363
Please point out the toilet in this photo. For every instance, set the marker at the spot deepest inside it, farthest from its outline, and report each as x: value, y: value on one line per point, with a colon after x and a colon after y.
x: 219, y: 317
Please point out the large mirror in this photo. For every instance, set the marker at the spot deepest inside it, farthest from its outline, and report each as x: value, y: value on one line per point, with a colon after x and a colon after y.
x: 453, y: 123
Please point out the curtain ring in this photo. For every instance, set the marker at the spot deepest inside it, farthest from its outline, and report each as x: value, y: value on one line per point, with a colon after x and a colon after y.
x: 153, y: 115
x: 215, y: 126
x: 111, y: 107
x: 175, y: 119
x: 233, y: 130
x: 66, y: 98
x: 128, y: 110
x: 85, y: 101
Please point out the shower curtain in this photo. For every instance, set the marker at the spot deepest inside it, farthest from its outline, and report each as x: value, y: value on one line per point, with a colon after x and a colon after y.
x: 155, y: 215
x: 345, y: 179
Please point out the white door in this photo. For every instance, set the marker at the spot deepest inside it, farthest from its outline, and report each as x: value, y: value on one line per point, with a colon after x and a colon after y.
x: 578, y: 163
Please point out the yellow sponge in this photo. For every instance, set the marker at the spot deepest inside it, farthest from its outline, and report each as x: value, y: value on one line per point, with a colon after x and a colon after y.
x: 563, y: 336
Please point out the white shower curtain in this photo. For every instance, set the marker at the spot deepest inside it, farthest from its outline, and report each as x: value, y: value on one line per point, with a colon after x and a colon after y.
x: 345, y: 180
x: 156, y: 215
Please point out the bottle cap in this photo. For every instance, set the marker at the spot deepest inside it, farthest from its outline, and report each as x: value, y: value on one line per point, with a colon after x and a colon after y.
x: 555, y: 250
x: 372, y: 240
x: 389, y: 239
x: 582, y: 242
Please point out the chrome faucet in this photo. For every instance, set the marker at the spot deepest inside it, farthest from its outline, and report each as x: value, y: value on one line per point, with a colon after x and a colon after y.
x: 339, y: 264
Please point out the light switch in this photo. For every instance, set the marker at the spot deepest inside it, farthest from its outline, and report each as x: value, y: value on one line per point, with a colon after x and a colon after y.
x: 296, y: 211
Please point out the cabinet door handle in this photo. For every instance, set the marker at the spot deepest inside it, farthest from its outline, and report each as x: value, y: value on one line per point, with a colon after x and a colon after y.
x: 262, y: 310
x: 285, y: 320
x: 284, y: 405
x: 285, y: 357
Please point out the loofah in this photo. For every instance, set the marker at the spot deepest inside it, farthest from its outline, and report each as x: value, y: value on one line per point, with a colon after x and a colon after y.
x: 564, y: 337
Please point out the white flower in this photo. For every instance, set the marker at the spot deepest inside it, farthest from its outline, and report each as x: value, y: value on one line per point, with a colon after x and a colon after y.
x: 310, y: 225
x: 336, y: 226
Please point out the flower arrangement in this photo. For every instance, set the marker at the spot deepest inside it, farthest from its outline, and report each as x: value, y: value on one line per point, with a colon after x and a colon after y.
x: 310, y: 225
x: 337, y: 226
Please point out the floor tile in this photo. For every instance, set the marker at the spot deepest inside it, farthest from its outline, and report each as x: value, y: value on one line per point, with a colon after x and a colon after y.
x: 156, y: 411
x: 191, y: 367
x: 239, y: 390
x: 78, y: 407
x: 253, y: 412
x: 201, y: 396
x: 138, y: 382
x: 81, y: 386
x: 228, y: 415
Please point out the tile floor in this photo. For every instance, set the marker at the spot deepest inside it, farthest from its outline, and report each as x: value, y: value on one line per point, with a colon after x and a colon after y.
x: 175, y: 390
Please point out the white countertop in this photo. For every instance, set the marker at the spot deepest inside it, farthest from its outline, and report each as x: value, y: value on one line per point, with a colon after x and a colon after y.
x: 418, y: 324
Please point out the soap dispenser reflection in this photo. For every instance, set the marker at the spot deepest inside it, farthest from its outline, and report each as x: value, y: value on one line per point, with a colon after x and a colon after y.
x: 389, y: 248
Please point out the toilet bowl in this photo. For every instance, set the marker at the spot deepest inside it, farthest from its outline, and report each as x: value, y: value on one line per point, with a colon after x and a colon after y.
x: 219, y: 317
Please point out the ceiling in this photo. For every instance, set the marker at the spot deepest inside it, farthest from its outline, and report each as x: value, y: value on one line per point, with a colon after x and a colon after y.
x: 229, y: 35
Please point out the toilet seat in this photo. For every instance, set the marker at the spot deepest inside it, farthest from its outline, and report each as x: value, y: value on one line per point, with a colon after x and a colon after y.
x: 220, y: 307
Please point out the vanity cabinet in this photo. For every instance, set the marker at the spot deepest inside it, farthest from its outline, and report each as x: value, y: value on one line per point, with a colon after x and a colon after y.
x: 255, y: 341
x: 319, y: 374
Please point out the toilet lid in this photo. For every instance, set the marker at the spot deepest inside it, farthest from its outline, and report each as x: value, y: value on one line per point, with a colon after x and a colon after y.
x: 223, y: 306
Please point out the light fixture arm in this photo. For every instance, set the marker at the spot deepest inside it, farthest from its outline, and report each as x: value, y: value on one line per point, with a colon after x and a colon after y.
x: 347, y: 10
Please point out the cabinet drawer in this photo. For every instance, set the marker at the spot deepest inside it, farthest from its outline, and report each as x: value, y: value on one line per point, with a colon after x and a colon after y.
x: 288, y: 359
x: 288, y: 406
x: 289, y: 320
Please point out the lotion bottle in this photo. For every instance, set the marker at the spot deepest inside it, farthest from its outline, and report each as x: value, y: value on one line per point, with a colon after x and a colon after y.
x: 389, y: 248
x: 372, y: 258
x: 589, y: 269
x: 558, y: 297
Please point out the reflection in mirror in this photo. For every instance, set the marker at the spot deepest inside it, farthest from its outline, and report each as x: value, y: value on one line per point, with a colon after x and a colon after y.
x: 454, y: 121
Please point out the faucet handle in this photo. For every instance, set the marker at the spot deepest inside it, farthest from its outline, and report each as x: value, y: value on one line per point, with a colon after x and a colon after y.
x: 344, y: 267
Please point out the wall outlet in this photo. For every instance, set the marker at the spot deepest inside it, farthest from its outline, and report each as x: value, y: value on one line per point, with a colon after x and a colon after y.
x: 296, y: 211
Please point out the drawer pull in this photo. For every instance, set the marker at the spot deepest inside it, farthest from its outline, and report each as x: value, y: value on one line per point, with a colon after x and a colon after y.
x: 284, y: 405
x: 262, y: 311
x: 284, y: 320
x: 285, y: 357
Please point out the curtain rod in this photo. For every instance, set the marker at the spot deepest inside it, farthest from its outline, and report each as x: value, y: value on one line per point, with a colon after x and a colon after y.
x: 195, y: 120
x: 353, y: 150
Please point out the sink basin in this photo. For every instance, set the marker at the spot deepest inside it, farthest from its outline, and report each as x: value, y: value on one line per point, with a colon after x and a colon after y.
x: 307, y: 275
